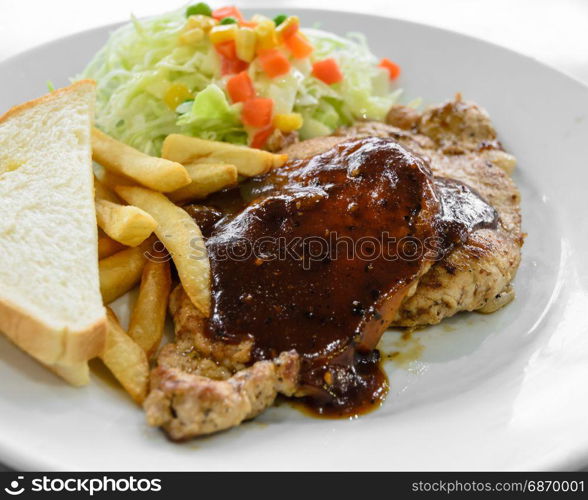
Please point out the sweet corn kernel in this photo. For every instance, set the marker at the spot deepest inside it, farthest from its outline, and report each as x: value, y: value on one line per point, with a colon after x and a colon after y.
x: 192, y: 36
x: 205, y: 23
x: 290, y: 23
x: 176, y: 94
x: 245, y: 41
x: 288, y: 122
x: 266, y: 34
x: 223, y: 33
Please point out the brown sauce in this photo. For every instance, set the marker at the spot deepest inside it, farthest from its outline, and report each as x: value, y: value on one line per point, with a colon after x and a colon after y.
x: 318, y: 255
x: 463, y: 211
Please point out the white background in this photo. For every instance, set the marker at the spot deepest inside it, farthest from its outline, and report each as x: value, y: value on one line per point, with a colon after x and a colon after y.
x: 553, y: 31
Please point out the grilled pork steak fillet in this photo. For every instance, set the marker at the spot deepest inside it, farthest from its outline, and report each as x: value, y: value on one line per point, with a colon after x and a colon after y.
x: 346, y: 218
x: 194, y: 390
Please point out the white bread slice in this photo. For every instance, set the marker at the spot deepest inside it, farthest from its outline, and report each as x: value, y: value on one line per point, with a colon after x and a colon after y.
x: 50, y: 303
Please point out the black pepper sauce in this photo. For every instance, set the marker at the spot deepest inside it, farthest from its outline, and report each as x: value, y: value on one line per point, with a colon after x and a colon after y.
x: 313, y: 264
x: 463, y: 211
x: 317, y: 256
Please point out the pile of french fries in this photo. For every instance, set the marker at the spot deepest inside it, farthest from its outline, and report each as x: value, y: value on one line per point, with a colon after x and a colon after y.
x: 141, y: 227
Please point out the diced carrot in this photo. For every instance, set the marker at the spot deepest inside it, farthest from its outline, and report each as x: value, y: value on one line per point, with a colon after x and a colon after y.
x: 229, y: 11
x: 227, y: 49
x: 327, y: 70
x: 289, y: 31
x: 232, y: 66
x: 298, y: 46
x: 287, y: 27
x: 261, y: 137
x: 392, y: 68
x: 240, y: 87
x: 273, y: 62
x: 257, y: 112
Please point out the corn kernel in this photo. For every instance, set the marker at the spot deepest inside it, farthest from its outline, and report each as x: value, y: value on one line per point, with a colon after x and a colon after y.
x: 223, y: 33
x: 205, y: 23
x: 176, y: 94
x: 192, y: 37
x: 245, y: 42
x: 288, y: 122
x: 288, y: 24
x: 266, y: 34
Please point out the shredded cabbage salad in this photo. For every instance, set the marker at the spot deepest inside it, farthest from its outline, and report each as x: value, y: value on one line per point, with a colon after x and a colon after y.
x: 167, y: 75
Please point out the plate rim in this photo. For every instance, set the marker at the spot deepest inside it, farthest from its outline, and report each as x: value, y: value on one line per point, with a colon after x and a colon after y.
x: 15, y: 457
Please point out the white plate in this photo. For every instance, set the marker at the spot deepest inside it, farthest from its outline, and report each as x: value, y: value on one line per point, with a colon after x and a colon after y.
x: 506, y: 391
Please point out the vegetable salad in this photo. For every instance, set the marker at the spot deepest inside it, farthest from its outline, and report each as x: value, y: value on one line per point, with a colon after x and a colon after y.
x: 216, y: 75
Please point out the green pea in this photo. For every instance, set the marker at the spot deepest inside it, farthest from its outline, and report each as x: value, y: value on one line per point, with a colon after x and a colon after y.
x: 201, y: 9
x: 228, y: 20
x: 280, y: 19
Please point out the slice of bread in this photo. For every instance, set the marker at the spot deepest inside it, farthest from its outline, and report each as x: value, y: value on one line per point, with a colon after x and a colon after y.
x: 50, y: 303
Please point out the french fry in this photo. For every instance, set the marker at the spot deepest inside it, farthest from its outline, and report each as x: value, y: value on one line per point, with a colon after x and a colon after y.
x: 109, y: 179
x: 155, y: 173
x: 120, y: 272
x: 107, y: 246
x: 101, y: 192
x: 148, y: 317
x: 182, y: 239
x: 126, y: 360
x: 126, y: 224
x: 206, y: 178
x: 249, y: 161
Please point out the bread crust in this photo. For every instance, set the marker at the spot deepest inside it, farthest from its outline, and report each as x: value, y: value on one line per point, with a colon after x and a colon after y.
x: 63, y: 351
x: 15, y: 110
